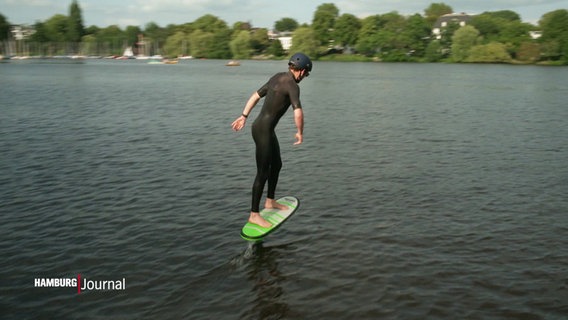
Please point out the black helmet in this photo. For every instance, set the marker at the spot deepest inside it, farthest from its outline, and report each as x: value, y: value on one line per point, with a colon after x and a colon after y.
x: 300, y: 61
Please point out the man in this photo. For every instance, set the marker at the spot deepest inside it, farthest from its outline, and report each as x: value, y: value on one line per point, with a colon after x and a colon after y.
x: 281, y: 91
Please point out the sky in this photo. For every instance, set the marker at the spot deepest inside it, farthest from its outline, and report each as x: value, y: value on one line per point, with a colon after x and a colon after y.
x: 260, y: 13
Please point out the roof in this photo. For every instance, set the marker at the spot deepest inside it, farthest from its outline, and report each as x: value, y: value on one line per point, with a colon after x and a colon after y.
x: 452, y: 17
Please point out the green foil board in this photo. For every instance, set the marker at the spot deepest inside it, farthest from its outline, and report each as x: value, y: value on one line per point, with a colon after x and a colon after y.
x: 253, y: 232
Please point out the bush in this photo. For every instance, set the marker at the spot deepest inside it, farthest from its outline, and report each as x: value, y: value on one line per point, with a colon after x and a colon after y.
x: 488, y: 53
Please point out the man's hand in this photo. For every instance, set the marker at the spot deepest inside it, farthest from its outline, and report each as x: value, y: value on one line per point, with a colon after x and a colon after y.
x: 299, y: 138
x: 239, y: 123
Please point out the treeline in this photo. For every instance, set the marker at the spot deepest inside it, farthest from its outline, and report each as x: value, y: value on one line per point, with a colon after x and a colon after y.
x: 498, y: 36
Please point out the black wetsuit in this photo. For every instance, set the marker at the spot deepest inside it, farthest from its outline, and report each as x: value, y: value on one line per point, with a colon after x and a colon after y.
x: 280, y: 92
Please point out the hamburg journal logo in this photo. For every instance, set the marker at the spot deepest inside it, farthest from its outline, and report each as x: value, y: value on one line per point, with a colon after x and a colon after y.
x: 81, y: 284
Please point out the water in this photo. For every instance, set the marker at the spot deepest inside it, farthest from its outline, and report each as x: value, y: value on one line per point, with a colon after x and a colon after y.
x: 428, y: 192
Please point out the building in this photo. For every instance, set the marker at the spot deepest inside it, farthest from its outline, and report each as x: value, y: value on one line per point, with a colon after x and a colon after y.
x: 285, y: 38
x: 535, y: 34
x: 460, y: 18
x: 21, y: 32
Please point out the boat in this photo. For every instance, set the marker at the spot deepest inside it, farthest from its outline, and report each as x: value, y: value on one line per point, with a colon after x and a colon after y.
x: 164, y: 61
x: 128, y: 54
x: 233, y: 63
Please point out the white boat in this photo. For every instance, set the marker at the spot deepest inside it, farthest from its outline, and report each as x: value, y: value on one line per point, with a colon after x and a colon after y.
x: 127, y: 54
x: 233, y: 63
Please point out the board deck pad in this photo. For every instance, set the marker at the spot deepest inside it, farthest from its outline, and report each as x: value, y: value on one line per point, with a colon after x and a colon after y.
x: 254, y: 232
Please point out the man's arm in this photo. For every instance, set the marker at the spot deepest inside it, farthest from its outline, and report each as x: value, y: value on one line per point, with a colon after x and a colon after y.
x: 239, y: 123
x: 299, y: 119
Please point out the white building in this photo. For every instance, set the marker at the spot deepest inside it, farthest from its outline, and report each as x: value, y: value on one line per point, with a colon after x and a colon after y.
x: 460, y: 18
x: 285, y: 38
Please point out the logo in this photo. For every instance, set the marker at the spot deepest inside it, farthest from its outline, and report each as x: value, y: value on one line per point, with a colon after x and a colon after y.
x: 81, y: 284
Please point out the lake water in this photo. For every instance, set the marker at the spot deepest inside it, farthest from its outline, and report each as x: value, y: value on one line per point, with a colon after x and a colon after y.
x: 429, y: 191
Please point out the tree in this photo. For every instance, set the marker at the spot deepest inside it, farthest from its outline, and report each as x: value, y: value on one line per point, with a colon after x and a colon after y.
x: 367, y: 42
x: 393, y: 42
x: 347, y: 28
x: 286, y: 24
x: 131, y: 33
x: 487, y: 25
x: 75, y: 28
x: 92, y: 30
x: 212, y: 40
x: 259, y: 41
x: 436, y: 10
x: 112, y: 39
x: 418, y: 33
x: 433, y: 52
x: 489, y: 53
x: 200, y: 43
x: 176, y: 44
x: 41, y: 33
x: 275, y: 49
x: 210, y: 23
x: 220, y: 48
x: 4, y: 28
x: 56, y: 28
x: 240, y: 45
x: 324, y: 22
x: 462, y: 42
x: 447, y: 35
x: 529, y: 52
x: 503, y: 27
x: 304, y: 40
x: 507, y: 15
x: 554, y: 26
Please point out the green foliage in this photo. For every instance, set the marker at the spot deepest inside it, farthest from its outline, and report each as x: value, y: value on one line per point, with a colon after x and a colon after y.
x: 75, y: 28
x: 41, y: 34
x: 201, y: 43
x: 240, y: 45
x: 418, y: 33
x: 177, y: 45
x: 436, y: 10
x: 346, y: 30
x: 529, y: 52
x: 324, y: 22
x: 210, y: 23
x: 346, y: 58
x: 393, y: 36
x: 259, y: 41
x: 554, y: 26
x: 56, y: 28
x: 4, y: 28
x: 506, y: 15
x: 433, y: 52
x: 275, y: 49
x: 89, y: 44
x: 131, y: 34
x: 492, y: 26
x: 113, y: 39
x: 220, y: 48
x: 489, y: 53
x: 286, y: 24
x: 447, y: 34
x: 463, y: 40
x: 368, y: 42
x: 305, y: 40
x: 390, y: 37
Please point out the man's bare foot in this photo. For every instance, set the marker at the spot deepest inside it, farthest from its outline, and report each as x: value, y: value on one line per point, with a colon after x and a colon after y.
x: 257, y: 219
x: 272, y: 204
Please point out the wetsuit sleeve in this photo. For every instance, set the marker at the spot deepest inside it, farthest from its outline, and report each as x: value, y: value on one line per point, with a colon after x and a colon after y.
x: 295, y: 97
x: 263, y: 90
